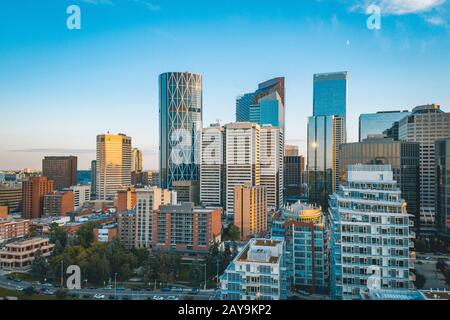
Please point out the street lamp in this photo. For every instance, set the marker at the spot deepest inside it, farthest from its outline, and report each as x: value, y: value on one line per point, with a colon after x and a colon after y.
x: 115, y: 285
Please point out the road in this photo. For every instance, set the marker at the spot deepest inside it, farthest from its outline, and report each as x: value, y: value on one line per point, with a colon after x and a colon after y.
x: 111, y: 293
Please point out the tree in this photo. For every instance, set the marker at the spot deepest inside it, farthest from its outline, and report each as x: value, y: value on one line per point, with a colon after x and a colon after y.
x: 86, y: 233
x: 61, y: 294
x: 40, y: 266
x: 195, y: 274
x: 57, y: 234
x: 420, y: 281
x: 29, y: 291
x: 232, y: 233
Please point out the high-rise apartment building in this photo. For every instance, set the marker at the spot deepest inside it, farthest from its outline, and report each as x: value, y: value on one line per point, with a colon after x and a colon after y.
x: 378, y: 123
x: 250, y: 210
x: 137, y: 161
x: 404, y: 158
x: 62, y: 170
x: 212, y: 166
x: 371, y: 242
x: 58, y: 203
x: 33, y: 192
x: 180, y: 124
x: 294, y: 167
x: 305, y: 232
x: 325, y: 135
x: 257, y: 273
x: 425, y: 125
x: 147, y: 202
x: 126, y: 228
x: 114, y: 160
x: 443, y: 187
x: 126, y: 199
x: 81, y: 194
x: 330, y: 95
x: 272, y: 165
x: 242, y: 158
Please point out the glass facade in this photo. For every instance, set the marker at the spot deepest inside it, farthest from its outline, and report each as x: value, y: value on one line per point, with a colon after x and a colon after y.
x: 330, y: 94
x: 180, y: 110
x: 443, y: 187
x: 378, y: 123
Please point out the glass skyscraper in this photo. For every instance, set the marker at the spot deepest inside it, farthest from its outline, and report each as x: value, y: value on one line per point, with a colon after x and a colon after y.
x: 180, y: 124
x: 330, y: 94
x: 378, y: 123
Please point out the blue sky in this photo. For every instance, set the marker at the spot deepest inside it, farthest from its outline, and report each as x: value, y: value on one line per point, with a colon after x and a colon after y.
x: 59, y: 88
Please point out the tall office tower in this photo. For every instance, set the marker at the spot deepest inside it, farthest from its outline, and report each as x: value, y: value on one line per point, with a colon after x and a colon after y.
x: 272, y: 165
x: 250, y: 210
x: 212, y: 166
x: 11, y: 197
x: 404, y: 158
x: 137, y: 160
x: 325, y: 135
x: 378, y: 123
x: 265, y: 105
x: 114, y: 153
x: 180, y: 124
x: 330, y: 94
x: 242, y: 158
x: 304, y: 229
x: 443, y: 187
x: 62, y: 170
x: 81, y: 194
x: 370, y: 236
x: 294, y: 167
x: 257, y: 273
x: 425, y: 125
x: 33, y: 192
x: 147, y: 202
x: 94, y: 178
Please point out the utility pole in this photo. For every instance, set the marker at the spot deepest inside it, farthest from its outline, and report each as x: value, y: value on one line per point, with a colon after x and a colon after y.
x: 115, y: 285
x: 62, y: 273
x: 204, y: 288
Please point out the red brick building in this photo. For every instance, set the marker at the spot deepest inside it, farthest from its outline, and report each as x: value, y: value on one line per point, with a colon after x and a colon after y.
x: 58, y: 203
x: 33, y: 192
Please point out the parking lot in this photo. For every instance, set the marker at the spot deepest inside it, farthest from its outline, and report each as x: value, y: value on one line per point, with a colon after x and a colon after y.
x: 426, y: 265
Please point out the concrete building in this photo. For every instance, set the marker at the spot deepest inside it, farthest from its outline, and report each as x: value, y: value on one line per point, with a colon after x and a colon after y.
x: 250, y: 210
x: 105, y: 234
x: 147, y: 202
x: 19, y: 256
x: 186, y: 228
x: 137, y: 164
x: 272, y: 165
x: 94, y: 179
x: 257, y: 273
x: 81, y: 194
x: 114, y: 160
x: 187, y: 191
x: 371, y: 241
x: 212, y: 166
x: 33, y: 192
x: 305, y: 231
x: 294, y: 168
x: 126, y: 228
x: 425, y: 125
x: 13, y: 229
x: 62, y: 170
x: 404, y: 158
x: 443, y: 187
x: 11, y: 196
x: 126, y: 199
x: 242, y: 158
x: 58, y: 203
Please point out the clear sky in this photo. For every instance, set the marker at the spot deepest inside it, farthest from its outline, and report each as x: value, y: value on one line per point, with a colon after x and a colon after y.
x: 59, y: 88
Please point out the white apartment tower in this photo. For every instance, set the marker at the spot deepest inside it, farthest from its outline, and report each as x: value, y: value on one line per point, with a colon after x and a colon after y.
x: 81, y: 194
x: 147, y: 202
x: 272, y: 164
x: 114, y: 153
x: 371, y: 241
x: 242, y: 158
x: 425, y: 125
x: 212, y: 166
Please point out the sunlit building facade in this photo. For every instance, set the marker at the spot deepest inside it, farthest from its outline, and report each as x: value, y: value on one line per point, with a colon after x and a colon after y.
x: 378, y: 123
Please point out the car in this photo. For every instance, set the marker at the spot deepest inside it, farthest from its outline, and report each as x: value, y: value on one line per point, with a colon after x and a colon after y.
x: 125, y: 298
x: 173, y: 298
x: 17, y: 280
x: 305, y: 293
x: 175, y: 289
x: 49, y: 292
x: 109, y: 287
x: 49, y: 285
x: 428, y: 258
x: 167, y: 289
x: 120, y: 289
x: 194, y: 291
x: 19, y: 288
x: 86, y: 296
x: 38, y: 283
x: 158, y: 298
x: 99, y: 296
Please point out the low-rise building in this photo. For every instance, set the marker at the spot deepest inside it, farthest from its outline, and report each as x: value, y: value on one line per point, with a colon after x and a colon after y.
x: 58, y: 203
x: 19, y: 256
x: 257, y: 273
x: 13, y: 229
x: 81, y: 194
x: 106, y: 233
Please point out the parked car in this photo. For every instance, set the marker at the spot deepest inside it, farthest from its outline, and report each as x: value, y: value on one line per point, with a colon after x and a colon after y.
x: 120, y: 289
x: 20, y: 288
x: 194, y: 291
x: 99, y: 296
x: 125, y: 298
x: 167, y: 289
x: 175, y: 289
x: 158, y: 298
x: 173, y: 298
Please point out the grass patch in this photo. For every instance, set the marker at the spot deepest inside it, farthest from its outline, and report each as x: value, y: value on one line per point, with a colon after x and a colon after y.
x: 22, y: 296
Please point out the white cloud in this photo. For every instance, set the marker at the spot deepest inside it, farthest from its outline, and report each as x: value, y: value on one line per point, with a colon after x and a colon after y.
x: 150, y: 6
x: 99, y: 2
x: 400, y: 7
x: 436, y: 21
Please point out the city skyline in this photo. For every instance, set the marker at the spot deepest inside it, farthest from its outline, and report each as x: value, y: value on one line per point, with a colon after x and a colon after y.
x: 136, y: 43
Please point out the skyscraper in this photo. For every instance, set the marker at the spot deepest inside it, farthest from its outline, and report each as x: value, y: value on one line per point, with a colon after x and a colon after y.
x: 242, y: 158
x: 325, y: 135
x: 180, y: 124
x: 330, y: 94
x: 212, y: 166
x: 370, y: 237
x: 377, y: 123
x: 265, y: 105
x: 443, y: 187
x: 114, y: 160
x: 272, y: 165
x: 33, y: 192
x: 425, y: 125
x: 294, y: 167
x: 62, y: 170
x: 137, y: 160
x: 403, y: 156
